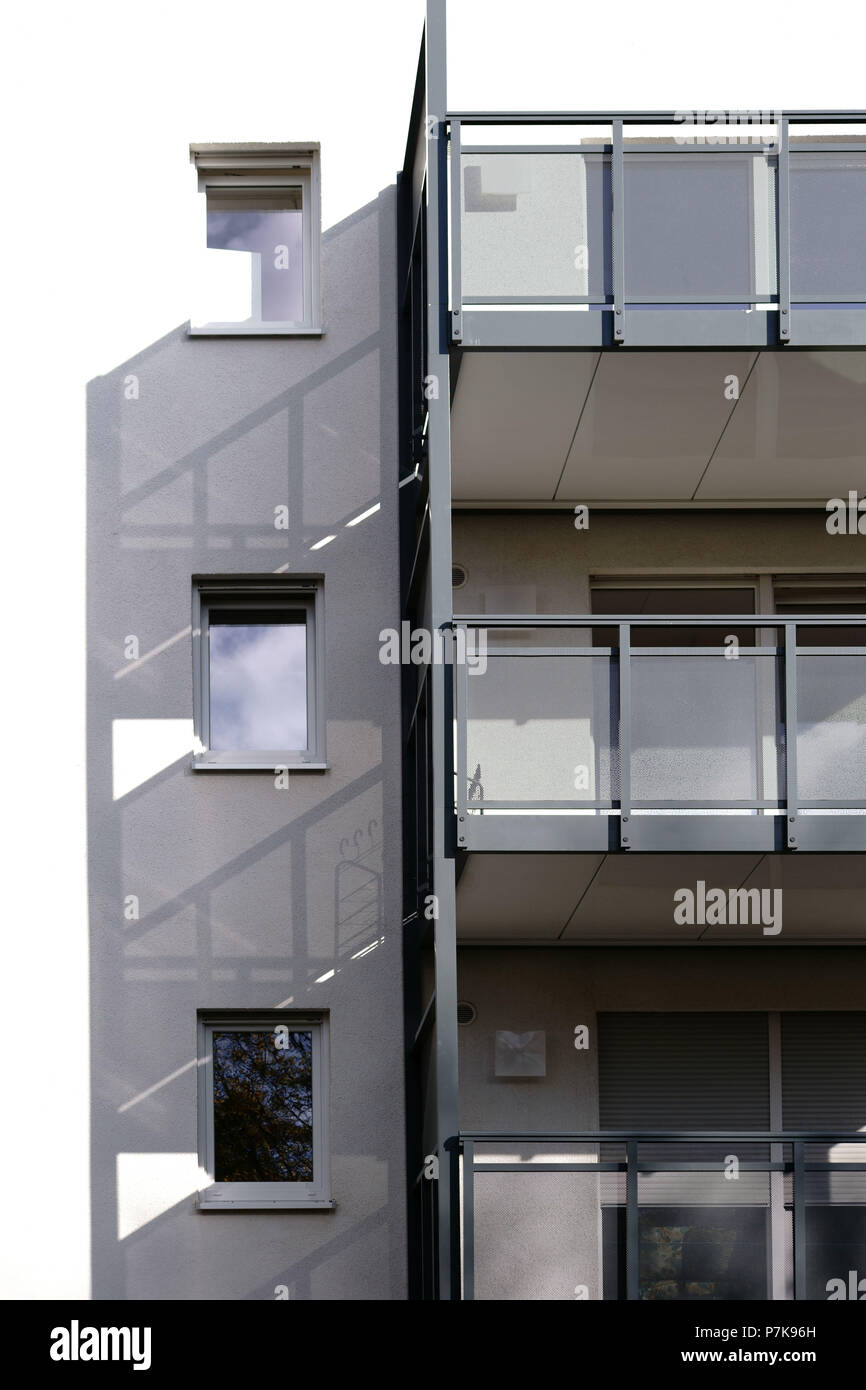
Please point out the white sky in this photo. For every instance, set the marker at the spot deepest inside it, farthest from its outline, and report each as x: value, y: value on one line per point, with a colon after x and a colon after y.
x: 99, y: 103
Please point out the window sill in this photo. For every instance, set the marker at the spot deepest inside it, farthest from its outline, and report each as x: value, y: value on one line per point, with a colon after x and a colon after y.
x: 253, y: 330
x: 272, y: 766
x: 280, y: 1204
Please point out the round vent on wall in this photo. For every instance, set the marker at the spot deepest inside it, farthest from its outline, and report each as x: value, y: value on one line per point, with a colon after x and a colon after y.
x: 466, y: 1013
x: 459, y: 576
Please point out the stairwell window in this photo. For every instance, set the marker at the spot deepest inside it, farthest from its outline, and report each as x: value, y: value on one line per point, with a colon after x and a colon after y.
x: 259, y: 273
x: 257, y: 671
x: 263, y: 1111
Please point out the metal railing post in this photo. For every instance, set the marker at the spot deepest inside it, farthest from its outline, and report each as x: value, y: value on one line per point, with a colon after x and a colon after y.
x: 784, y: 249
x: 456, y: 234
x: 617, y: 230
x: 625, y: 733
x: 791, y: 734
x: 632, y: 1223
x: 468, y: 1221
x: 799, y: 1220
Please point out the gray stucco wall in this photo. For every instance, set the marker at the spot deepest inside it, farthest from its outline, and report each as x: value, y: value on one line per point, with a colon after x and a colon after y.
x: 249, y: 896
x: 516, y: 557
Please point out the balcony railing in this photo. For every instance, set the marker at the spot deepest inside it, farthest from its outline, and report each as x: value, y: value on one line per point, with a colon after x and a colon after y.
x: 704, y: 1215
x: 749, y: 237
x: 663, y: 733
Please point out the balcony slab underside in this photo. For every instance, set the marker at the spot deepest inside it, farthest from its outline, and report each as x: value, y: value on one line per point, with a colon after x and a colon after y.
x: 750, y: 426
x: 567, y: 899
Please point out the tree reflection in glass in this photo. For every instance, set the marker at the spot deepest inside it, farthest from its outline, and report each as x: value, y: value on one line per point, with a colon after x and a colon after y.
x: 263, y: 1107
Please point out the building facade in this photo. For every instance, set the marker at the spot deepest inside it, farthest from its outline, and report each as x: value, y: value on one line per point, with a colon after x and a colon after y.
x: 478, y: 725
x: 245, y: 767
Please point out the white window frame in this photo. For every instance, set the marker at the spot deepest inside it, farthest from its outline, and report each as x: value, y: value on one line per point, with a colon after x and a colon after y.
x: 270, y: 167
x: 304, y: 594
x: 249, y: 1196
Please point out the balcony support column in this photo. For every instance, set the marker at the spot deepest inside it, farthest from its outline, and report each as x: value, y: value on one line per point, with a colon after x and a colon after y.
x: 441, y: 685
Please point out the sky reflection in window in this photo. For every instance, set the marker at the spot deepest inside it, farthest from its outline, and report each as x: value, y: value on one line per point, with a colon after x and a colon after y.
x: 258, y: 684
x: 271, y: 228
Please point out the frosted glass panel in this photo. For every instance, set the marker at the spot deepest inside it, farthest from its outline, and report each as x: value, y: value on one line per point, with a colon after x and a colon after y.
x: 699, y: 225
x: 831, y: 730
x: 535, y: 224
x: 705, y: 728
x: 828, y: 226
x: 534, y: 721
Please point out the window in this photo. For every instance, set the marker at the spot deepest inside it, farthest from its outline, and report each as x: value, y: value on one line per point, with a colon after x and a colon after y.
x: 681, y: 598
x: 812, y: 595
x: 257, y: 674
x: 260, y: 271
x: 263, y: 1111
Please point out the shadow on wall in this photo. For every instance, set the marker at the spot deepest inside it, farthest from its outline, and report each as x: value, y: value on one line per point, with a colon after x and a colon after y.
x: 223, y: 890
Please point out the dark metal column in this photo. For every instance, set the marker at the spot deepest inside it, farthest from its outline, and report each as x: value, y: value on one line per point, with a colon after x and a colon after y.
x: 439, y: 463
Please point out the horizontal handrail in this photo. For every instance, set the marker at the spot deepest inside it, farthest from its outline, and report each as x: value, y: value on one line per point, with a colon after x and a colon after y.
x: 659, y: 620
x: 798, y: 117
x: 663, y: 1136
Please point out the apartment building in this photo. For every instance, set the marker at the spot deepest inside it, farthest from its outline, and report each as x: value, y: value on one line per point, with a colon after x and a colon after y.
x: 477, y: 703
x: 632, y: 450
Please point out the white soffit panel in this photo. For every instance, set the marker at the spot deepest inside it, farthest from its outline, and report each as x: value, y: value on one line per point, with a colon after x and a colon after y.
x: 650, y: 425
x: 799, y: 431
x: 520, y: 896
x: 631, y: 898
x: 512, y: 421
x: 823, y: 898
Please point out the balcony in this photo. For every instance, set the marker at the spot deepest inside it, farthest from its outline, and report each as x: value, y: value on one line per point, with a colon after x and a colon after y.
x: 673, y: 735
x: 654, y: 232
x: 681, y: 1216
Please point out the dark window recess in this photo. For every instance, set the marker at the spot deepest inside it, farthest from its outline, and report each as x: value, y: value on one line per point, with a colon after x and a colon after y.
x: 813, y: 600
x: 263, y: 1107
x: 649, y: 602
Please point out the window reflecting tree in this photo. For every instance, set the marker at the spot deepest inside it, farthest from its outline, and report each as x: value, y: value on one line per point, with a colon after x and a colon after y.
x: 263, y: 1107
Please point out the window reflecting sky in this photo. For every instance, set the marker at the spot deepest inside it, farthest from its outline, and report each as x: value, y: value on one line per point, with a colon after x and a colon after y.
x: 258, y: 685
x: 275, y: 234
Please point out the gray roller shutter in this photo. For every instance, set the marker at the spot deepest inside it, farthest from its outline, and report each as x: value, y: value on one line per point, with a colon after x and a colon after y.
x: 824, y: 1088
x: 687, y: 1071
x: 684, y: 1071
